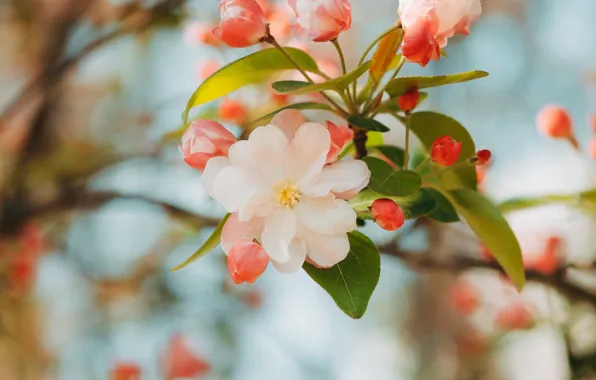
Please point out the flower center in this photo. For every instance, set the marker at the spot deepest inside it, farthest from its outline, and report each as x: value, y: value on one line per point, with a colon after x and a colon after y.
x: 286, y: 193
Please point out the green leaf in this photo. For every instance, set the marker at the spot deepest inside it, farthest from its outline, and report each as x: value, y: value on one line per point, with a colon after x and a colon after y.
x: 494, y: 231
x: 352, y: 282
x: 368, y: 124
x: 288, y: 86
x: 337, y: 84
x: 400, y: 86
x: 516, y: 204
x: 414, y: 206
x: 210, y: 244
x: 429, y: 126
x: 251, y: 69
x: 296, y: 106
x: 387, y: 181
x: 393, y: 153
x: 390, y: 105
x: 445, y: 212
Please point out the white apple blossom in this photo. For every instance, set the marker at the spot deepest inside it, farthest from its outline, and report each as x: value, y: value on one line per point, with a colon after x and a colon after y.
x: 281, y: 193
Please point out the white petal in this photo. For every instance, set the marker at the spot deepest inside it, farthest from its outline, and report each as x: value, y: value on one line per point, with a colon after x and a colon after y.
x: 235, y: 230
x: 214, y: 166
x: 233, y: 186
x: 288, y: 121
x: 308, y: 151
x: 269, y: 148
x: 327, y: 250
x: 297, y: 257
x: 240, y: 154
x: 280, y: 229
x: 339, y: 177
x: 260, y: 203
x: 326, y: 215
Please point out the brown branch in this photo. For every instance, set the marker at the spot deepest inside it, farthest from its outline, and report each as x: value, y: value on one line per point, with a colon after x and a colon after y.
x: 137, y: 22
x: 558, y: 280
x: 86, y: 200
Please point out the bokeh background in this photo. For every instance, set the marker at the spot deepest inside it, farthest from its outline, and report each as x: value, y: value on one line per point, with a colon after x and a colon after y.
x: 98, y: 205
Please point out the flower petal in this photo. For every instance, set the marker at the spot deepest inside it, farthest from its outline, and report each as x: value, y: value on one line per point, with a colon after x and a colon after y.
x: 269, y: 147
x: 233, y: 186
x: 297, y: 257
x: 235, y: 230
x: 308, y: 151
x: 327, y: 250
x: 280, y: 229
x: 288, y: 121
x: 213, y: 168
x: 339, y: 177
x: 326, y: 215
x: 260, y: 203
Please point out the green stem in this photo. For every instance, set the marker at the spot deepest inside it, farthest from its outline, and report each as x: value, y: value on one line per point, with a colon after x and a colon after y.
x: 335, y: 43
x: 422, y: 165
x: 407, y: 148
x: 273, y: 42
x: 346, y: 97
x: 368, y: 107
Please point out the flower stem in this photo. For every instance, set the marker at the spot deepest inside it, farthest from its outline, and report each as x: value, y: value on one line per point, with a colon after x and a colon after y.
x: 407, y: 148
x: 422, y: 165
x: 335, y: 43
x: 270, y: 39
x: 346, y: 96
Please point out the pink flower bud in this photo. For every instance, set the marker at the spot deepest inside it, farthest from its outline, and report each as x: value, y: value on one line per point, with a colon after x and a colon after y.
x: 232, y: 111
x: 242, y: 23
x: 323, y: 20
x: 514, y: 317
x: 592, y: 148
x: 387, y: 214
x: 198, y: 33
x: 408, y: 101
x: 125, y: 371
x: 483, y: 157
x: 428, y: 24
x: 207, y: 68
x: 419, y: 46
x: 203, y: 140
x: 550, y: 260
x: 554, y: 121
x: 464, y: 298
x: 445, y: 151
x: 339, y: 137
x: 180, y: 361
x: 247, y: 261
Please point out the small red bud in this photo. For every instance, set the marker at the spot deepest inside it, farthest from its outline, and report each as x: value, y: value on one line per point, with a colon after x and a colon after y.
x: 592, y: 148
x: 408, y: 101
x: 514, y: 317
x: 445, y: 151
x: 483, y: 157
x: 464, y: 298
x: 125, y: 371
x: 555, y: 121
x: 247, y: 261
x: 387, y: 214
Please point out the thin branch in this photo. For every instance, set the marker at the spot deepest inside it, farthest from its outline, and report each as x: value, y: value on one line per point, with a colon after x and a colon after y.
x: 558, y: 280
x: 86, y: 200
x: 54, y: 74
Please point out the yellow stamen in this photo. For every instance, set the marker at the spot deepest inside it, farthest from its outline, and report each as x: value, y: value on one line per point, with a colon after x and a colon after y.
x: 287, y: 193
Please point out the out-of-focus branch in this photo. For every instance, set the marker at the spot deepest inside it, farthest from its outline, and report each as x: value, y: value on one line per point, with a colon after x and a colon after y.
x: 419, y: 261
x: 134, y: 23
x: 79, y: 200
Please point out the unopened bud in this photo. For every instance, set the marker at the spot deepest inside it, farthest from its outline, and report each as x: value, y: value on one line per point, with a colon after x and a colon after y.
x: 408, y: 101
x: 387, y: 214
x: 445, y: 151
x: 482, y: 157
